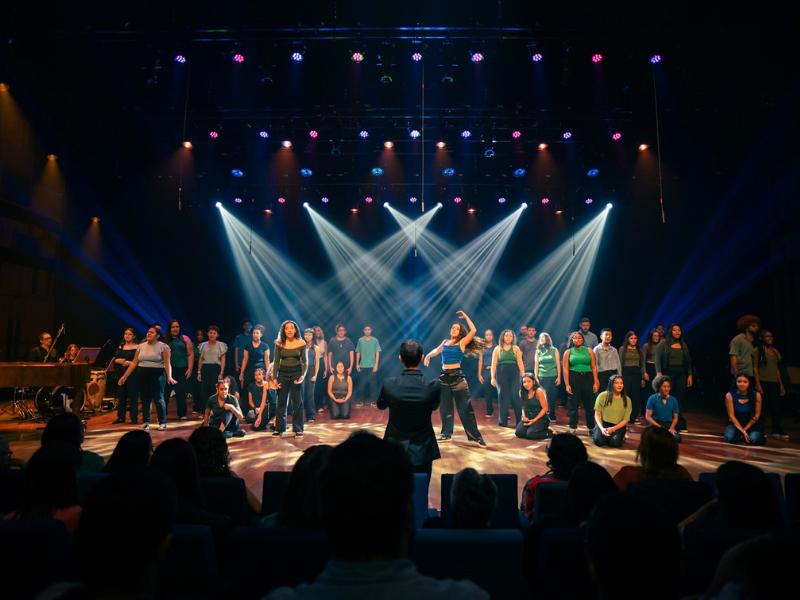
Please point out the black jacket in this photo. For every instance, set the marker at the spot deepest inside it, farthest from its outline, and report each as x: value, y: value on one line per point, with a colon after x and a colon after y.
x: 411, y: 398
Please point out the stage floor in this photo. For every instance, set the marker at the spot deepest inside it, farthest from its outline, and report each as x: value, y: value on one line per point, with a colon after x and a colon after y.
x: 702, y: 449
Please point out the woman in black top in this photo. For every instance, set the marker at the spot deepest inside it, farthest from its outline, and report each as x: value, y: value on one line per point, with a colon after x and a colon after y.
x: 535, y: 421
x: 289, y: 371
x: 127, y: 392
x: 631, y: 358
x: 255, y: 356
x: 674, y: 361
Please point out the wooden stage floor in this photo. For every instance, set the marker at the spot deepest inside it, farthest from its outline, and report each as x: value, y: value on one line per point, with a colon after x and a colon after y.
x: 702, y: 449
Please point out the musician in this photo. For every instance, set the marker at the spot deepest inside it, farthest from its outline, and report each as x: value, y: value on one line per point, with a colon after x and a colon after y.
x: 43, y: 350
x: 70, y: 354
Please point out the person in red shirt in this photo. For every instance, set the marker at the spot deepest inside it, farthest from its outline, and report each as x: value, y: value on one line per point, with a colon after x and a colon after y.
x: 564, y: 453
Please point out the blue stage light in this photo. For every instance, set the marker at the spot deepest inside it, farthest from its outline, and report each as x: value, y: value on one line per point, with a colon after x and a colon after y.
x: 306, y: 172
x: 237, y: 172
x: 377, y: 171
x: 448, y: 171
x: 519, y: 173
x: 593, y: 172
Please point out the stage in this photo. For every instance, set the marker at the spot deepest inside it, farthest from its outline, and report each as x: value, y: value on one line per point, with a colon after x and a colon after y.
x: 702, y: 449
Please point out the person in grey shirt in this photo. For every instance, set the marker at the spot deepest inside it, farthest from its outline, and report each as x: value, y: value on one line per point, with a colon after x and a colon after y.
x: 608, y: 363
x: 589, y: 339
x: 367, y: 481
x: 742, y: 348
x: 528, y: 346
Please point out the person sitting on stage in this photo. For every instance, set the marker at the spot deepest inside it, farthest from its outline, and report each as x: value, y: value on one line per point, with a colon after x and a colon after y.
x: 340, y: 390
x: 258, y: 404
x: 223, y: 412
x: 473, y: 498
x: 658, y: 456
x: 369, y: 481
x: 743, y: 404
x: 70, y: 354
x: 50, y: 486
x: 67, y: 428
x: 662, y: 408
x: 411, y: 398
x: 131, y: 454
x: 44, y: 349
x: 213, y: 459
x: 535, y: 422
x: 612, y: 412
x: 564, y: 453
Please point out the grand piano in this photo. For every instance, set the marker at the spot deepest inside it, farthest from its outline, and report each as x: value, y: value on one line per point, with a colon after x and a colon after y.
x: 30, y: 374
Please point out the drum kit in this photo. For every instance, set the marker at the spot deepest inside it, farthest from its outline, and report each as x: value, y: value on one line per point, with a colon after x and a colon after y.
x: 50, y: 401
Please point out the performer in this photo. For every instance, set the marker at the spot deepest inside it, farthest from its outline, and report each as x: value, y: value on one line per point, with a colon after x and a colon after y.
x: 340, y: 391
x: 580, y: 380
x: 320, y: 397
x: 547, y: 369
x: 127, y: 392
x: 210, y: 365
x: 486, y: 389
x: 182, y: 360
x: 223, y: 412
x: 535, y: 423
x: 289, y: 370
x: 70, y: 354
x: 258, y: 404
x: 454, y: 384
x: 507, y: 370
x: 368, y: 357
x: 44, y: 352
x: 255, y: 356
x: 154, y: 359
x: 309, y: 385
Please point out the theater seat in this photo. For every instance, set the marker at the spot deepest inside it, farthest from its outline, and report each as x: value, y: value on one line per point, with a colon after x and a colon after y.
x: 273, y: 489
x: 792, y: 483
x: 704, y: 547
x: 87, y: 480
x: 562, y: 564
x: 549, y: 500
x: 675, y: 499
x: 492, y: 558
x: 189, y: 569
x: 226, y: 496
x: 506, y: 512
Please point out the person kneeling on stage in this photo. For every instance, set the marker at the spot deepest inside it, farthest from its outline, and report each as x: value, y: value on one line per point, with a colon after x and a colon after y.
x: 662, y: 408
x: 612, y: 411
x: 743, y: 405
x: 259, y: 406
x: 535, y: 422
x: 223, y: 412
x: 340, y: 390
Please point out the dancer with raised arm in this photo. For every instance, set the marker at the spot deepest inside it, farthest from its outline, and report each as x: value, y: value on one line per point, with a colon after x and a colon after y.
x: 455, y: 389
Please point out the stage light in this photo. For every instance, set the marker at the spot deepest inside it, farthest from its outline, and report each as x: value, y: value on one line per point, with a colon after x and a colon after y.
x: 363, y: 134
x: 368, y: 199
x: 516, y: 134
x: 187, y: 144
x: 471, y: 210
x: 386, y: 79
x: 237, y: 200
x: 306, y: 172
x: 180, y: 58
x: 488, y: 152
x: 385, y: 205
x: 357, y: 57
x: 51, y: 157
x: 297, y: 57
x: 643, y: 147
x: 377, y: 171
x: 545, y: 200
x: 218, y: 204
x: 616, y: 136
x: 238, y: 58
x: 609, y: 206
x: 476, y: 57
x: 413, y: 134
x: 501, y: 200
x: 542, y: 146
x: 559, y: 212
x: 281, y: 200
x: 267, y: 211
x: 3, y: 87
x: 263, y: 134
x: 324, y: 199
x: 286, y: 144
x: 593, y: 172
x: 388, y: 144
x: 588, y: 201
x: 655, y: 59
x: 354, y: 210
x: 597, y: 58
x: 457, y: 199
x: 519, y: 173
x: 313, y: 134
x: 237, y: 172
x: 536, y: 57
x: 448, y: 80
x: 213, y: 134
x: 524, y: 205
x: 95, y: 220
x: 413, y: 199
x: 448, y: 171
x: 416, y: 57
x: 305, y: 204
x: 567, y: 135
x: 440, y: 145
x: 439, y: 205
x: 466, y: 134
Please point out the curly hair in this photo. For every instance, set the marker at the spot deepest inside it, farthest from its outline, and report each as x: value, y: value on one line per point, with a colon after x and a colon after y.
x: 743, y: 322
x: 211, y: 450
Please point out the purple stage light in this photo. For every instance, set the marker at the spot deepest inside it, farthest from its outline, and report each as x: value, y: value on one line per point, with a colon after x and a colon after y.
x: 297, y: 57
x: 180, y: 58
x: 313, y: 134
x: 357, y: 57
x: 416, y: 57
x: 238, y: 58
x: 537, y: 57
x: 597, y: 58
x: 281, y: 200
x: 263, y: 134
x: 363, y: 134
x: 589, y: 201
x: 616, y: 136
x: 325, y: 200
x: 413, y: 134
x: 466, y: 134
x: 368, y: 199
x: 501, y: 200
x: 213, y: 134
x: 476, y: 57
x: 516, y: 134
x: 457, y: 199
x: 237, y: 200
x: 413, y: 199
x: 545, y: 200
x: 567, y: 135
x: 655, y: 59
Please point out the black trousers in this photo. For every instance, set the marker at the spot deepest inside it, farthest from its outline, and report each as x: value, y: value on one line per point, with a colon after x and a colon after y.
x: 678, y: 379
x: 551, y: 391
x: 582, y: 395
x: 128, y: 398
x: 603, y: 377
x: 487, y: 391
x: 289, y: 390
x: 508, y: 383
x: 208, y: 386
x: 456, y: 391
x: 773, y: 404
x: 181, y: 389
x: 632, y: 376
x: 368, y: 386
x: 309, y: 404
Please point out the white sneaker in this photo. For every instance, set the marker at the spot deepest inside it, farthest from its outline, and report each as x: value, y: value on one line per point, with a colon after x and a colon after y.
x: 162, y: 426
x: 146, y: 426
x: 573, y: 430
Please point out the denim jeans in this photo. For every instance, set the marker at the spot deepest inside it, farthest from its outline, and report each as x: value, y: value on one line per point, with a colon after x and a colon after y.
x: 615, y: 440
x: 508, y: 384
x: 150, y: 389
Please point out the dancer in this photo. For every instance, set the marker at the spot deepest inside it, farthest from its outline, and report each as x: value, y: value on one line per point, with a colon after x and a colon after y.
x: 182, y: 360
x: 309, y: 385
x: 289, y: 370
x: 254, y: 356
x: 340, y: 391
x: 535, y: 423
x: 454, y: 385
x: 486, y: 390
x: 547, y: 370
x: 580, y: 379
x: 631, y: 358
x: 673, y: 359
x: 210, y: 367
x: 507, y: 370
x: 127, y: 393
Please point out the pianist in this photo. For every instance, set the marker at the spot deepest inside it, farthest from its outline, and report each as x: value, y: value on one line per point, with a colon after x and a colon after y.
x: 43, y: 350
